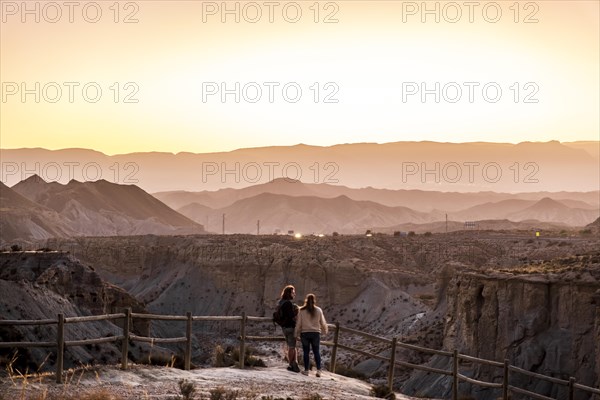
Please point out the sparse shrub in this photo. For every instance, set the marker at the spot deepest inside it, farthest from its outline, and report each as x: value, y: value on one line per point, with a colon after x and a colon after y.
x: 411, y: 233
x: 382, y: 392
x: 221, y: 358
x: 253, y: 361
x: 218, y: 356
x: 427, y: 234
x: 217, y: 393
x: 335, y: 234
x: 249, y: 394
x: 249, y: 359
x: 220, y: 393
x: 586, y: 232
x: 274, y: 398
x: 187, y: 389
x: 15, y: 248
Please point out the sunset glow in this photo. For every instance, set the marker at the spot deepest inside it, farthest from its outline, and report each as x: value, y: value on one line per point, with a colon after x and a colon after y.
x: 162, y: 77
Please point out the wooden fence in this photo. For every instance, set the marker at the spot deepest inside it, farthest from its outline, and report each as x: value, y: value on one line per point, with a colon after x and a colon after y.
x: 127, y: 336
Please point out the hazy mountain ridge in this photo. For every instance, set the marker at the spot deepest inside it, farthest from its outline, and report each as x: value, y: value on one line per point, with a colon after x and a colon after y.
x: 549, y: 210
x: 34, y: 209
x: 102, y: 208
x: 23, y: 218
x: 313, y: 213
x: 466, y: 167
x: 419, y: 200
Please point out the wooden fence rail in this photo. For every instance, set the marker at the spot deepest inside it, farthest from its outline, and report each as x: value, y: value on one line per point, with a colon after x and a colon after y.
x: 126, y: 336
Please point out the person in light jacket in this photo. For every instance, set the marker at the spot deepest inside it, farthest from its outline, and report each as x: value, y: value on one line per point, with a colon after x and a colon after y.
x: 310, y: 325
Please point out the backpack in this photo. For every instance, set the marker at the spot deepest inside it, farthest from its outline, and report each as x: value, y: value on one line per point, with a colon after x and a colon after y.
x: 278, y: 317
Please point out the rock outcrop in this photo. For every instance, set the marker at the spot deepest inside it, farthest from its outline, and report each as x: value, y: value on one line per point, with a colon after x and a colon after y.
x: 354, y: 279
x: 543, y: 318
x: 40, y: 285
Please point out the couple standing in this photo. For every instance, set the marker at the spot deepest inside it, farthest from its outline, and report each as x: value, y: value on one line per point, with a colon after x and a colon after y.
x: 306, y: 323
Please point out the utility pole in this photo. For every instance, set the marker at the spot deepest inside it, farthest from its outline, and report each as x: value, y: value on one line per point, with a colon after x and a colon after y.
x: 223, y: 223
x: 446, y: 223
x: 258, y: 227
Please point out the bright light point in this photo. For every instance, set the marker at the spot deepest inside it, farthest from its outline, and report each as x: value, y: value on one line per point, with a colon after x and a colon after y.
x: 298, y: 235
x: 320, y: 235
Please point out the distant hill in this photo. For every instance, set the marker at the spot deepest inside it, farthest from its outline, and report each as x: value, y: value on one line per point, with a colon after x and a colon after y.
x: 430, y: 166
x: 197, y: 212
x: 549, y: 210
x: 564, y: 212
x: 207, y: 207
x: 453, y: 226
x: 305, y: 214
x: 420, y: 200
x: 594, y: 226
x: 590, y: 147
x: 24, y: 219
x: 88, y: 209
x: 492, y: 210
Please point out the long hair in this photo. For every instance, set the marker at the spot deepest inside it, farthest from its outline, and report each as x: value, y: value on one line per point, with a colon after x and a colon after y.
x: 286, y: 293
x: 309, y: 304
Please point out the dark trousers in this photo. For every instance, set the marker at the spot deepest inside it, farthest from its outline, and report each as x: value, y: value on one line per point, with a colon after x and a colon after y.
x: 311, y: 339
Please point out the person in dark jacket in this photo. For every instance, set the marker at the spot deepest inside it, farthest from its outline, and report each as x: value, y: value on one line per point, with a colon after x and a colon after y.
x: 289, y: 311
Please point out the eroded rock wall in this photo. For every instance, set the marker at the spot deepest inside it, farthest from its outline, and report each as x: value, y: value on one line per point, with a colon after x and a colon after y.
x: 41, y: 285
x: 544, y: 322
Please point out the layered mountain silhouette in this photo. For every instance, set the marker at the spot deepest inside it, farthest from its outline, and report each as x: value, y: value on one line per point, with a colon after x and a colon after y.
x: 346, y: 188
x: 306, y: 214
x: 432, y: 166
x: 21, y: 218
x: 35, y: 209
x: 312, y: 209
x: 420, y: 200
x: 550, y: 210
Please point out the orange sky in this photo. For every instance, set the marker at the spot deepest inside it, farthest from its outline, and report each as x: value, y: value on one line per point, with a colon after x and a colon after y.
x: 374, y: 58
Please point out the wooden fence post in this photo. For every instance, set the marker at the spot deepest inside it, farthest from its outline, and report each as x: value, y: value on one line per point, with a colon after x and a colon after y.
x: 60, y: 348
x: 125, y: 344
x: 392, y: 365
x: 571, y: 388
x: 455, y: 375
x: 243, y: 340
x: 188, y: 342
x: 505, y: 380
x: 336, y: 336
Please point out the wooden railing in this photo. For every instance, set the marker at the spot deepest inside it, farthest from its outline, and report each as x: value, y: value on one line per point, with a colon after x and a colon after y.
x: 393, y: 343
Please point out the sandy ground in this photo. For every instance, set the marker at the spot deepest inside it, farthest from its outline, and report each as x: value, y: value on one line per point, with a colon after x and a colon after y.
x: 152, y: 382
